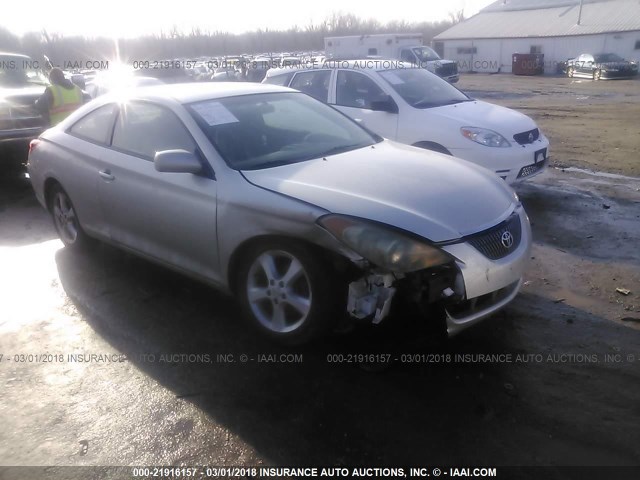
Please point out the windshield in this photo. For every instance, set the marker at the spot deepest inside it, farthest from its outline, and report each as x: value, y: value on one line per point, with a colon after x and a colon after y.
x: 607, y: 57
x: 14, y: 74
x: 422, y: 89
x: 258, y: 131
x: 425, y: 54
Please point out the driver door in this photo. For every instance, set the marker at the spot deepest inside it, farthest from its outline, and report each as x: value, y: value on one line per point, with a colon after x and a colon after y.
x: 168, y: 216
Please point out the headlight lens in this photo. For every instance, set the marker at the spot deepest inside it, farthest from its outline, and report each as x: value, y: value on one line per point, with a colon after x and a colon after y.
x: 485, y: 137
x: 383, y: 246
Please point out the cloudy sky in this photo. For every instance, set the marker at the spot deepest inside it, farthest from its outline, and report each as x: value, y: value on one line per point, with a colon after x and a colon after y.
x: 130, y: 18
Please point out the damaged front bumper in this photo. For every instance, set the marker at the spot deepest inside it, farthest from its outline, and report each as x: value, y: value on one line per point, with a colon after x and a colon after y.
x: 465, y: 292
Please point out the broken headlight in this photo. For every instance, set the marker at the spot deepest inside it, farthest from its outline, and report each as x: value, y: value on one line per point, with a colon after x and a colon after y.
x: 384, y: 246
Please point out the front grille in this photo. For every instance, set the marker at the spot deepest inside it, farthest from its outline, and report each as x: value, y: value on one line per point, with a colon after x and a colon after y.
x: 531, y: 169
x: 529, y: 136
x: 499, y: 241
x: 447, y: 70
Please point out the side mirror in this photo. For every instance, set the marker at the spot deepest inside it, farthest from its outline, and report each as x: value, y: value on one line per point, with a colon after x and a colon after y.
x: 177, y: 161
x: 384, y: 104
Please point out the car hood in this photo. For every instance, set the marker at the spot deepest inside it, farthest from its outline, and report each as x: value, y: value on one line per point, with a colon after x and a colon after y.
x: 436, y: 196
x: 505, y: 121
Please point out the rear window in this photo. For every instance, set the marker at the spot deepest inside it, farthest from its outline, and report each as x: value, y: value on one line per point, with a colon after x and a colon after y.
x: 95, y: 126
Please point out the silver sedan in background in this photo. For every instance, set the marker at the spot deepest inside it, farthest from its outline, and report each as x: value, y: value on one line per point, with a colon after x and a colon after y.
x: 275, y: 197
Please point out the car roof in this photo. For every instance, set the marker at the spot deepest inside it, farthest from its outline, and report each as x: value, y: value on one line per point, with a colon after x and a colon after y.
x: 195, y: 92
x: 9, y: 54
x: 368, y: 64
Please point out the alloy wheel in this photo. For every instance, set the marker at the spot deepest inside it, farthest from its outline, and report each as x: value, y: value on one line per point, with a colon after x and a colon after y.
x: 65, y: 218
x: 279, y: 291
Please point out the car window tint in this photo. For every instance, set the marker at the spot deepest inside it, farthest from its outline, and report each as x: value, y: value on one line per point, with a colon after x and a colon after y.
x: 144, y: 129
x: 315, y: 84
x: 96, y: 125
x: 356, y: 90
x: 282, y: 80
x: 407, y: 56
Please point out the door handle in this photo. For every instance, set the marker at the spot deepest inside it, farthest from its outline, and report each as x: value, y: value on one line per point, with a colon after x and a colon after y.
x: 106, y: 174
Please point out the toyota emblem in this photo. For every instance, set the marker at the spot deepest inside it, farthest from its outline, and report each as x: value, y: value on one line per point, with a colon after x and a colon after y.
x: 507, y: 240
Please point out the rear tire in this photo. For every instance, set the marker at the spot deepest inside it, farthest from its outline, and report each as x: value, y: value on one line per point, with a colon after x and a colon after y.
x: 597, y: 75
x: 570, y: 72
x: 287, y: 292
x: 66, y: 221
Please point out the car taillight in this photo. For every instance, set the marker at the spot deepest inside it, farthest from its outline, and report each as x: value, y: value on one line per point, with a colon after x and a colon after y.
x: 33, y: 144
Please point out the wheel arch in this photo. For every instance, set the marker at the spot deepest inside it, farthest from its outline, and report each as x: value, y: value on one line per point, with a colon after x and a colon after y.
x: 433, y: 146
x: 49, y: 185
x: 238, y: 255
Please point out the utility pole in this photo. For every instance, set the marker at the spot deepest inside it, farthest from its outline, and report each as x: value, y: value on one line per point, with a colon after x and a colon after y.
x: 580, y: 12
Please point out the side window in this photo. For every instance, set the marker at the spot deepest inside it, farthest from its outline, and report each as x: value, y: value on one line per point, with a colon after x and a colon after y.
x: 315, y: 84
x: 407, y: 56
x: 282, y: 80
x: 96, y: 125
x: 144, y: 129
x: 356, y: 90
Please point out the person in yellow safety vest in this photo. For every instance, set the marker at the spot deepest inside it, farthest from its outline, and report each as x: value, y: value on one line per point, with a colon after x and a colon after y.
x: 60, y: 98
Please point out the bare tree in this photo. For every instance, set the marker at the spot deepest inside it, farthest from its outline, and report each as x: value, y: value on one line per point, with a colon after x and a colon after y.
x: 177, y: 44
x: 456, y: 16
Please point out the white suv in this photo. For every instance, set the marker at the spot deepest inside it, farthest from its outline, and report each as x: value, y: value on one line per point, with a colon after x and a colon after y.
x: 416, y: 107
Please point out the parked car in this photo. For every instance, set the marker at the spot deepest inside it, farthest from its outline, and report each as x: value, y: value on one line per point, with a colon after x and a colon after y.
x: 601, y: 66
x: 20, y: 86
x: 408, y: 47
x: 225, y: 74
x: 108, y: 81
x: 416, y: 107
x: 174, y: 73
x: 264, y: 192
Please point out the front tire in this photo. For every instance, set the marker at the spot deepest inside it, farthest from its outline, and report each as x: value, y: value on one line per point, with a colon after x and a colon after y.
x: 597, y: 75
x: 287, y: 292
x: 570, y: 72
x: 65, y: 220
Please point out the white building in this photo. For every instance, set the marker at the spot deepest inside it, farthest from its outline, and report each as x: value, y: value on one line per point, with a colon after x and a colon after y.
x: 559, y: 29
